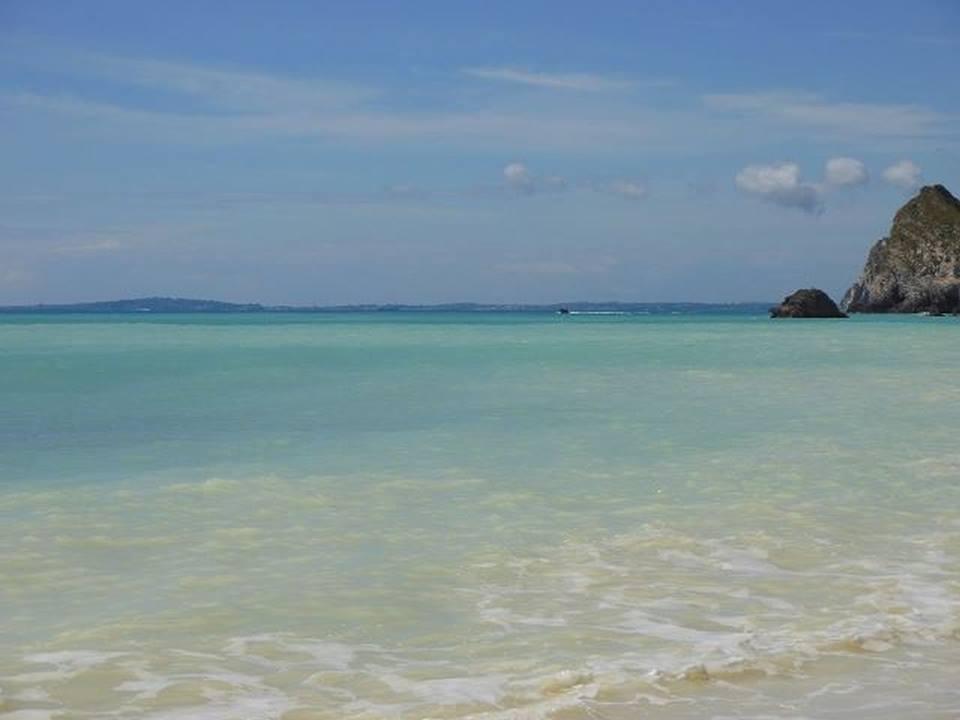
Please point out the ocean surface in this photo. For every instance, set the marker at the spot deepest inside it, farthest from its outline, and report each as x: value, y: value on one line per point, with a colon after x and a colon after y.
x: 402, y: 515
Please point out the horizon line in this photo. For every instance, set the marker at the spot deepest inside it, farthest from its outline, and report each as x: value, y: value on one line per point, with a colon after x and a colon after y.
x: 224, y: 305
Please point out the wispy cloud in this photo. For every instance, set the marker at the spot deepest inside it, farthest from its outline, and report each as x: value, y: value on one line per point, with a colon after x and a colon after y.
x: 530, y: 126
x: 815, y: 112
x: 182, y: 103
x: 91, y: 245
x: 224, y: 89
x: 227, y: 89
x: 583, y: 82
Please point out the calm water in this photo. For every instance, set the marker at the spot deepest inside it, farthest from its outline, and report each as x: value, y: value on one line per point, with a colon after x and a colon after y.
x: 485, y: 516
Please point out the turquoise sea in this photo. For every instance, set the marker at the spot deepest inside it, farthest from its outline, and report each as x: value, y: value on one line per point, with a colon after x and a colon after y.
x: 405, y: 515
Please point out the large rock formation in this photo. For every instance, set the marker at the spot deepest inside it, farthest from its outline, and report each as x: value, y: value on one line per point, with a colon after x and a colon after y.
x: 916, y: 268
x: 809, y: 303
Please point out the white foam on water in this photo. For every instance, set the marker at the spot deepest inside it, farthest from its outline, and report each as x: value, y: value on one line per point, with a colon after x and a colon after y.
x: 146, y: 687
x: 67, y: 664
x: 452, y: 690
x: 230, y: 695
x: 543, y: 707
x: 333, y: 655
x: 32, y: 715
x: 748, y: 561
x: 565, y: 680
x: 34, y: 694
x: 507, y: 619
x: 322, y: 654
x: 264, y: 707
x: 604, y: 312
x: 639, y: 622
x: 73, y: 660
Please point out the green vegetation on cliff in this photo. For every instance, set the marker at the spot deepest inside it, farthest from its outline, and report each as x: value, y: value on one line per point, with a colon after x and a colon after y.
x: 917, y: 267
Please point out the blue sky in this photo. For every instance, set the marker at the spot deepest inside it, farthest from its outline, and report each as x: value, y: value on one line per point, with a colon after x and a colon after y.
x: 320, y: 152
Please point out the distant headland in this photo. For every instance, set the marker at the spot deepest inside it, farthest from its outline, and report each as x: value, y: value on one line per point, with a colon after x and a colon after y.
x: 173, y: 305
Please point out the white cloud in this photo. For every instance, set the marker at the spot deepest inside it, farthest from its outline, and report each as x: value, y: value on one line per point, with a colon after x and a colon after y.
x: 845, y: 171
x: 904, y: 174
x: 781, y: 185
x: 563, y: 81
x: 628, y: 189
x: 519, y: 179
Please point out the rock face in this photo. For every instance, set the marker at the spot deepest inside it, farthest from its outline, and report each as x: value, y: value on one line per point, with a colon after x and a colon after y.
x: 809, y: 303
x: 916, y: 268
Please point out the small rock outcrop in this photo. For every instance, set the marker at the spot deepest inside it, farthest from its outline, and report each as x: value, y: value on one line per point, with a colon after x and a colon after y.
x: 917, y: 267
x: 808, y: 303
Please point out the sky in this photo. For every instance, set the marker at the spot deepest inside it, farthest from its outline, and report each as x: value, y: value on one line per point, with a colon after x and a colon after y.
x: 438, y: 151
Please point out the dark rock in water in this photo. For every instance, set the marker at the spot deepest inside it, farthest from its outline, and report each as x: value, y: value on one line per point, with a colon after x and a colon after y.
x: 809, y: 303
x: 917, y: 268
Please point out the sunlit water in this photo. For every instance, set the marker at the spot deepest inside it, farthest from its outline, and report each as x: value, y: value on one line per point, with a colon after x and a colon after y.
x: 485, y: 516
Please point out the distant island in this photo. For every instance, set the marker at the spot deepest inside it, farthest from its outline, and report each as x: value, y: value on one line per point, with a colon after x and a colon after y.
x: 140, y: 305
x: 172, y: 305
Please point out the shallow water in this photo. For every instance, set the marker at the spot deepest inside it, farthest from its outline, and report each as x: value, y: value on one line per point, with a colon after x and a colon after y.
x: 487, y: 516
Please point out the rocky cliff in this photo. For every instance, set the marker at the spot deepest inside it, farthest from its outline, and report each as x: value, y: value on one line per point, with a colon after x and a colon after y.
x: 916, y: 268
